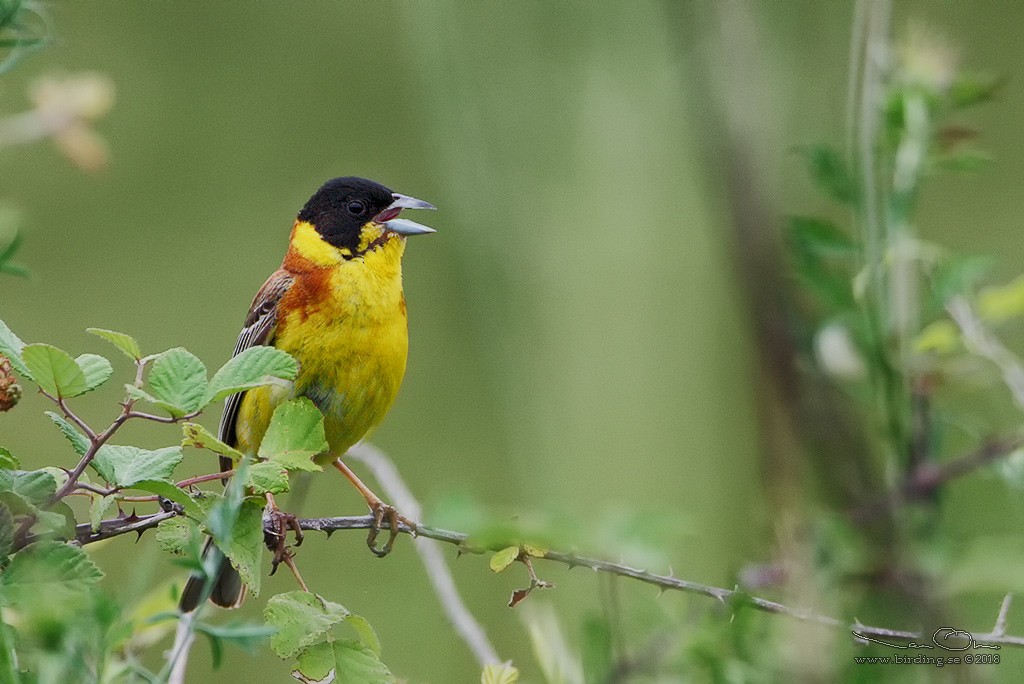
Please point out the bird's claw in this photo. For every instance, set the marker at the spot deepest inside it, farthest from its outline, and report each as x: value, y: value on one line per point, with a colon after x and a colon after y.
x: 276, y: 538
x: 381, y: 512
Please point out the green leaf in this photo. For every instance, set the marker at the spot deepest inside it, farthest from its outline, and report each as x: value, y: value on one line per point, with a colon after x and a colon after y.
x: 941, y: 337
x: 100, y: 505
x: 136, y: 394
x: 267, y: 477
x: 97, y: 370
x: 6, y: 532
x: 958, y: 276
x: 11, y: 346
x: 245, y: 547
x: 78, y: 441
x: 45, y: 567
x: 830, y: 172
x: 125, y: 466
x: 354, y: 663
x: 367, y: 634
x: 295, y: 435
x: 821, y: 236
x: 1000, y: 303
x: 971, y: 89
x: 178, y: 378
x: 301, y: 619
x: 247, y: 637
x: 253, y: 367
x: 8, y: 460
x: 195, y: 435
x: 126, y: 343
x: 177, y: 535
x: 316, y: 663
x: 172, y: 492
x: 504, y: 558
x: 504, y: 673
x: 33, y: 487
x: 54, y: 370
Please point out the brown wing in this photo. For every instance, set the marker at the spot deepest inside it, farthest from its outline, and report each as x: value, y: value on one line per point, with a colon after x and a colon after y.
x: 259, y: 328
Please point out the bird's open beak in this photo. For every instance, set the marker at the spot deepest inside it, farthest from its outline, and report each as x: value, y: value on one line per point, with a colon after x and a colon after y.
x: 389, y: 217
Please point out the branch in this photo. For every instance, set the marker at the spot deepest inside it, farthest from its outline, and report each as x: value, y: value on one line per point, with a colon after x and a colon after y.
x: 928, y: 478
x: 116, y: 527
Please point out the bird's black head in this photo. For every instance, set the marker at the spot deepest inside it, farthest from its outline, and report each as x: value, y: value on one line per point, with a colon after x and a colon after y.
x: 342, y: 206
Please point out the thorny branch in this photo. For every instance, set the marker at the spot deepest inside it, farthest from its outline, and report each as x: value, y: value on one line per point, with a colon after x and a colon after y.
x: 733, y: 597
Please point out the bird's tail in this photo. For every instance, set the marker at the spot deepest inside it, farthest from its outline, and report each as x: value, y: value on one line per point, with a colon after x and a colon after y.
x: 228, y: 590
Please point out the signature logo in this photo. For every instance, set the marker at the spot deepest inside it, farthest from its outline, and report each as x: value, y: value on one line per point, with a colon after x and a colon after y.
x: 946, y: 638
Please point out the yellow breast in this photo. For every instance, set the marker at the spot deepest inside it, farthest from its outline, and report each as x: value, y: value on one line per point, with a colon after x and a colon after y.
x: 344, y: 321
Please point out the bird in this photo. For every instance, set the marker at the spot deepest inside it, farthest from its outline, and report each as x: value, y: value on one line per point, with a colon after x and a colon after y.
x: 337, y: 306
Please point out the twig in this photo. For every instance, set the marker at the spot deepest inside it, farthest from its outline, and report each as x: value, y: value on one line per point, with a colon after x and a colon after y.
x: 430, y: 553
x: 1004, y: 613
x: 96, y: 441
x: 927, y: 478
x: 113, y: 528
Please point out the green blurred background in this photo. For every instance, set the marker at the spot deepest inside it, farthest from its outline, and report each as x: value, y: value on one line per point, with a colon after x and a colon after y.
x: 579, y: 346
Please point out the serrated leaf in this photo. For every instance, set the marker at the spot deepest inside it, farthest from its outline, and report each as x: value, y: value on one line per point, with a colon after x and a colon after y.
x: 176, y: 535
x: 78, y: 441
x: 501, y: 673
x: 11, y: 346
x: 350, y: 661
x: 126, y: 343
x: 178, y: 378
x: 354, y: 663
x: 54, y: 370
x: 45, y: 567
x: 245, y: 547
x: 8, y: 461
x: 367, y: 634
x: 254, y: 367
x: 267, y: 477
x: 195, y: 435
x: 125, y: 466
x: 301, y: 620
x: 34, y: 486
x: 295, y: 435
x: 136, y: 394
x: 97, y: 370
x: 315, y: 664
x: 98, y: 508
x: 504, y: 558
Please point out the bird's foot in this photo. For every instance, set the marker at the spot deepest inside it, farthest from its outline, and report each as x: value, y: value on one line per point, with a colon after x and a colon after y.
x: 277, y: 537
x: 385, y: 512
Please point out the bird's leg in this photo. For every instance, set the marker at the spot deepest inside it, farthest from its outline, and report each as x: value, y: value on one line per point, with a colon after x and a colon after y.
x: 281, y: 522
x: 380, y: 510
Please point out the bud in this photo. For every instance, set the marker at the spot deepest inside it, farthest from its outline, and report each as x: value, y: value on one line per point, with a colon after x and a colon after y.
x: 10, y: 390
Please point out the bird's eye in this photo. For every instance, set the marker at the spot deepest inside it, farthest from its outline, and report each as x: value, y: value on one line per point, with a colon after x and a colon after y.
x: 356, y: 208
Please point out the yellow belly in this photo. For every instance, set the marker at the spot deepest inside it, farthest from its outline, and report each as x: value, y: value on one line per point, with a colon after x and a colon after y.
x: 351, y: 347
